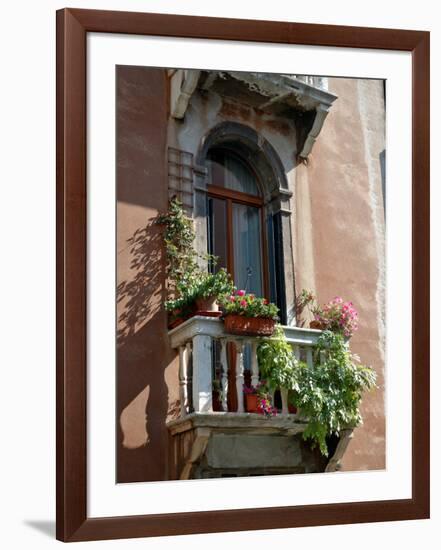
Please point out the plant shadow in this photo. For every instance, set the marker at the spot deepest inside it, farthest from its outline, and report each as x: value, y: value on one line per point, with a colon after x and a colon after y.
x: 143, y: 354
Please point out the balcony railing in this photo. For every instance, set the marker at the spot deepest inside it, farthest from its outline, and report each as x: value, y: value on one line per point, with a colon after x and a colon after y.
x: 195, y: 341
x: 319, y: 82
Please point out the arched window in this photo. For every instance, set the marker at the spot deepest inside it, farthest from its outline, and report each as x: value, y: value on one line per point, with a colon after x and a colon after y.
x: 242, y: 198
x: 236, y: 220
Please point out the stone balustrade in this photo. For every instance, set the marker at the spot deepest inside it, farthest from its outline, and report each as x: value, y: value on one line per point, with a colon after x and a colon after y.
x: 319, y: 82
x: 195, y: 341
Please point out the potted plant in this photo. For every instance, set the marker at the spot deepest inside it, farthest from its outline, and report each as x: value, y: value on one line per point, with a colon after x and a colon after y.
x: 304, y: 300
x: 190, y: 289
x: 179, y: 310
x: 209, y: 288
x: 247, y: 315
x: 251, y: 399
x: 257, y: 399
x: 338, y: 316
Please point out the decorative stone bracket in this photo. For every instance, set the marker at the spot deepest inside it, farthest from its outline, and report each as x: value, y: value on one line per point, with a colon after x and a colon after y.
x: 183, y: 83
x: 206, y: 441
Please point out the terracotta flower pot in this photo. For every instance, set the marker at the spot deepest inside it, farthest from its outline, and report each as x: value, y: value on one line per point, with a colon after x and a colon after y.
x: 207, y: 304
x: 316, y: 324
x: 249, y: 326
x: 175, y: 318
x: 175, y: 323
x: 251, y: 402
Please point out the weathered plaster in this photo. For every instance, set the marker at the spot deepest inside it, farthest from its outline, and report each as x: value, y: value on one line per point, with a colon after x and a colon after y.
x: 302, y: 234
x: 370, y: 95
x: 342, y: 176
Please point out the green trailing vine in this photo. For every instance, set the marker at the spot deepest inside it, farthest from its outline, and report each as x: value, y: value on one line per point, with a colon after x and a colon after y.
x: 186, y: 280
x: 277, y: 363
x: 329, y: 394
x: 181, y: 258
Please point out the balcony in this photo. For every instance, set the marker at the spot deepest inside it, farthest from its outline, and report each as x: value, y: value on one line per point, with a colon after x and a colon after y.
x: 232, y: 443
x: 194, y: 339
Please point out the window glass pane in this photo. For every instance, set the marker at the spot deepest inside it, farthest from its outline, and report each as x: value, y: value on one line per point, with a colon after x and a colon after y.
x: 217, y: 230
x: 247, y: 249
x: 229, y: 171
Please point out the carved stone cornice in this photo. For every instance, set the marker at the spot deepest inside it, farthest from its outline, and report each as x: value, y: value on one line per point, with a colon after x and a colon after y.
x: 281, y: 95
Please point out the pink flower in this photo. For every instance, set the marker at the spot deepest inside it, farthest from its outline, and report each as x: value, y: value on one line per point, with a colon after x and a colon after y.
x: 241, y: 292
x: 231, y: 298
x: 243, y: 303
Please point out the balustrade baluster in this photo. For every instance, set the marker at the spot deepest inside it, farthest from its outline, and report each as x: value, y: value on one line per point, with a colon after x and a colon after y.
x: 189, y: 350
x: 254, y: 364
x: 202, y: 373
x: 284, y: 397
x: 224, y: 376
x: 239, y: 377
x: 183, y: 379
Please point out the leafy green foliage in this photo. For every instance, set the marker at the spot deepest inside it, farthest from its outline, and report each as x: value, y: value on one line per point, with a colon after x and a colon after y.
x: 277, y: 363
x: 181, y: 257
x: 205, y: 285
x: 329, y: 394
x: 213, y: 284
x: 186, y: 280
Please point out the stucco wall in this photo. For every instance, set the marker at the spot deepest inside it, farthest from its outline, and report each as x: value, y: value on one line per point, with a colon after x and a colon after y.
x: 146, y: 369
x: 339, y: 236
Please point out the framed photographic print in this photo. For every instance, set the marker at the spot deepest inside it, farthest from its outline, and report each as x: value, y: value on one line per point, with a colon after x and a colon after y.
x: 242, y: 274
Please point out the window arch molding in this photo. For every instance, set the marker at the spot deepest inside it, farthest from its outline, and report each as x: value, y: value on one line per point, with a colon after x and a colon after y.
x: 264, y: 160
x: 255, y: 149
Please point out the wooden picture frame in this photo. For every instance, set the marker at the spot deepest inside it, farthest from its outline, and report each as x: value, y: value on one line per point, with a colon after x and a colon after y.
x: 72, y: 28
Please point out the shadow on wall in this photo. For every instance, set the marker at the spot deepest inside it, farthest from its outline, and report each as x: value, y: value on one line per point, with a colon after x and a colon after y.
x: 141, y: 295
x: 143, y: 353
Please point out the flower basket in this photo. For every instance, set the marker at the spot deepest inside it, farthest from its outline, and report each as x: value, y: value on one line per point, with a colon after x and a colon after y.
x: 252, y: 402
x: 249, y: 326
x: 317, y: 325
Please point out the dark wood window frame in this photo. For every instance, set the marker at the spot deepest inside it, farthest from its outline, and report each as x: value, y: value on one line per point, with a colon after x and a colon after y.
x: 237, y: 197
